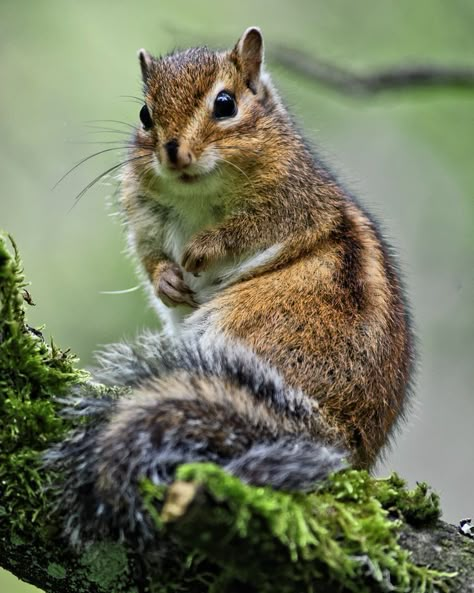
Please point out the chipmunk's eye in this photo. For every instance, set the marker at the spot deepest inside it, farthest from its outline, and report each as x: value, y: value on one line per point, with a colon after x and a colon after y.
x: 224, y: 105
x: 145, y: 118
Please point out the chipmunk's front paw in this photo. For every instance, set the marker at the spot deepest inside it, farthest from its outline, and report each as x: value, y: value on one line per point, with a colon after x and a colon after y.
x: 172, y: 289
x: 200, y: 253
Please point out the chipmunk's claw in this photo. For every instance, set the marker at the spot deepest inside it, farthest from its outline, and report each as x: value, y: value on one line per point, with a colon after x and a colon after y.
x: 173, y: 290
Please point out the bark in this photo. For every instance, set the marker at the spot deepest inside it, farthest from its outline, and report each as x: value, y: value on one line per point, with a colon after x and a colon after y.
x: 55, y: 568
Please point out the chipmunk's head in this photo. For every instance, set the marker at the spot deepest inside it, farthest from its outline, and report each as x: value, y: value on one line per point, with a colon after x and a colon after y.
x: 206, y: 113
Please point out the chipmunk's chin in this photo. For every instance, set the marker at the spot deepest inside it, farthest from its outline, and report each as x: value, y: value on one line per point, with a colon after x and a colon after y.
x: 192, y: 178
x: 186, y: 177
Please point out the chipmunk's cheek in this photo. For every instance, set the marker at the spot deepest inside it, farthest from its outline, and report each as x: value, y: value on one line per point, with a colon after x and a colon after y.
x: 208, y: 160
x: 157, y: 166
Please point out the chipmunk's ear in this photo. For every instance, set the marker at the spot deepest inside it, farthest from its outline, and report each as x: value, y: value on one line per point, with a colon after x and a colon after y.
x: 249, y: 52
x: 146, y: 64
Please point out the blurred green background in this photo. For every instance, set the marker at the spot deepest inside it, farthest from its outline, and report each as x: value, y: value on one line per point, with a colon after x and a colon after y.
x: 410, y: 157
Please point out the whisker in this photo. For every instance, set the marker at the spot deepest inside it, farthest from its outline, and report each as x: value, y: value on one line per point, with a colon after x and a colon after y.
x: 133, y: 99
x: 243, y: 148
x: 237, y: 136
x: 146, y: 169
x: 110, y: 121
x: 104, y: 129
x: 236, y: 147
x: 207, y: 137
x: 123, y: 291
x: 106, y: 142
x: 80, y: 142
x: 84, y: 160
x: 238, y: 169
x: 141, y: 99
x: 99, y: 177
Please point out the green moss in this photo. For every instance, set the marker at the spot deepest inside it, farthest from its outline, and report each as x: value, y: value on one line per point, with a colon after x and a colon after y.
x: 418, y: 506
x: 228, y: 533
x: 342, y: 532
x: 32, y: 373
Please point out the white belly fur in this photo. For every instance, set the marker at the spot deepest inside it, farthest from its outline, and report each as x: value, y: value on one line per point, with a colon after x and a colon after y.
x: 207, y: 284
x: 190, y: 217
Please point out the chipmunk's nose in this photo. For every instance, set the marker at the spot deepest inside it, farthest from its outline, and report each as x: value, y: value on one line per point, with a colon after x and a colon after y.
x: 178, y: 154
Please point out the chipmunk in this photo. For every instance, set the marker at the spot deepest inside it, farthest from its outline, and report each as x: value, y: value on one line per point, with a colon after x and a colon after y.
x: 287, y: 350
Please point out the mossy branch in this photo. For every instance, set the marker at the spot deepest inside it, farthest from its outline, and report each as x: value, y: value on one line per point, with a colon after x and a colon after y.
x: 214, y: 533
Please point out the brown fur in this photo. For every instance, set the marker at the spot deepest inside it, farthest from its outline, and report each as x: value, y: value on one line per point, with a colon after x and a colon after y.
x: 334, y: 325
x: 328, y: 311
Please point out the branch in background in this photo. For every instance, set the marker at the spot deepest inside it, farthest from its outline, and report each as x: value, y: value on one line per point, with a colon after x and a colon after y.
x: 398, y: 78
x: 342, y: 80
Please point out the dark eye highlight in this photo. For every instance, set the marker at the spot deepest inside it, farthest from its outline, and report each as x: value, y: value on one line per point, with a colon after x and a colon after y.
x: 145, y: 118
x: 224, y: 105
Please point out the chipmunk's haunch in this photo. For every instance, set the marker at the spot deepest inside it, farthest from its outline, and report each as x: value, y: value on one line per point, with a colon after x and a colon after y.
x: 287, y: 345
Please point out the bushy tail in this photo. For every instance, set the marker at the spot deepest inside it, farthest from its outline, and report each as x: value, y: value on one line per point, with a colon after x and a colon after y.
x: 185, y: 404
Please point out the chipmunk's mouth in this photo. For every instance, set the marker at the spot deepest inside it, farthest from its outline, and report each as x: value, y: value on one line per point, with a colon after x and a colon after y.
x: 186, y: 178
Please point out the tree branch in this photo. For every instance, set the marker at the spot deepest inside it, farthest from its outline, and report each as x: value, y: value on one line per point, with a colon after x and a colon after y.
x: 409, y: 77
x: 227, y: 561
x: 213, y: 533
x: 398, y: 78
